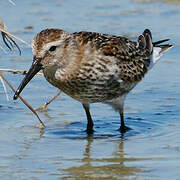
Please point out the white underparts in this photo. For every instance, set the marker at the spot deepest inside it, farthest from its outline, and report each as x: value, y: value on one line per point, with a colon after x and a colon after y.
x: 155, y: 56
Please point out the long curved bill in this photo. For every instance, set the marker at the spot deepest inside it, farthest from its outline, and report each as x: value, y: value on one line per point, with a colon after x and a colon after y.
x: 34, y: 69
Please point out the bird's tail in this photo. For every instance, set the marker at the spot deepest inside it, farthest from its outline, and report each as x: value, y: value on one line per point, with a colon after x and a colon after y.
x: 155, y: 49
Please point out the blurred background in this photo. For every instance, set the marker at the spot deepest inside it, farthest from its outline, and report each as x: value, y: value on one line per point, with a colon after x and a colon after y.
x: 151, y: 150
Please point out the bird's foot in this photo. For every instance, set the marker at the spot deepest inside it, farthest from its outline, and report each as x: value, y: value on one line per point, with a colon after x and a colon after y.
x: 124, y: 129
x: 89, y: 131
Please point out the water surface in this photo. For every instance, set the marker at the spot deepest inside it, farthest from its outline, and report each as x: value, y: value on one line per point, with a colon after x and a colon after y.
x: 151, y: 150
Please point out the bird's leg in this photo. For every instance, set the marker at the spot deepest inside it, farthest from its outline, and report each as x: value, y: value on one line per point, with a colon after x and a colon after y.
x: 90, y: 124
x: 123, y: 128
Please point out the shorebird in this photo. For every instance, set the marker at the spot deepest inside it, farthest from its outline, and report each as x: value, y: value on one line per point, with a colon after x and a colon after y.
x: 93, y: 67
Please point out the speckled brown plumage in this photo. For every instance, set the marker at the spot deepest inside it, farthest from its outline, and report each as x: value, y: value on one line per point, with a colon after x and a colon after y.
x: 41, y: 38
x: 132, y: 59
x: 92, y: 67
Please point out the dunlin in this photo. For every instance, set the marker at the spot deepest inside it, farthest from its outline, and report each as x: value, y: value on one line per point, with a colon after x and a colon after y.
x: 92, y: 67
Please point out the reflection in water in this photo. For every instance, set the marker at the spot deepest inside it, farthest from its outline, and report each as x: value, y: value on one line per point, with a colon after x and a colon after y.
x: 113, y: 167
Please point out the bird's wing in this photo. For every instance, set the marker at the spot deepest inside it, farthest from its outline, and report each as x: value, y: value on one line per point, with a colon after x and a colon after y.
x: 132, y: 58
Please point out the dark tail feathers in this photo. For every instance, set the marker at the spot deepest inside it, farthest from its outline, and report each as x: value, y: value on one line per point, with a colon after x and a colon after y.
x: 145, y: 42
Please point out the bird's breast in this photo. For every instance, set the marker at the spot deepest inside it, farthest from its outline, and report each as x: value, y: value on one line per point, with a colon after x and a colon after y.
x: 86, y: 87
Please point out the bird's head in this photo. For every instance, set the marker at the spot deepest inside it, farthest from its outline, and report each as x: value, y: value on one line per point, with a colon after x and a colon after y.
x: 46, y: 47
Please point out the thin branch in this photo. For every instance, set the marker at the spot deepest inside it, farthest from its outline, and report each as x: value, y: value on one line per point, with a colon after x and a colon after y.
x: 5, y: 89
x: 17, y: 38
x: 18, y: 71
x: 24, y: 101
x: 7, y: 39
x: 44, y: 106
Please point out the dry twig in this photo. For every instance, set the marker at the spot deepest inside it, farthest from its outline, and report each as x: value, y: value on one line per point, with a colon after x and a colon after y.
x: 23, y: 100
x: 15, y: 37
x: 18, y: 71
x: 44, y: 106
x: 9, y: 41
x: 8, y: 38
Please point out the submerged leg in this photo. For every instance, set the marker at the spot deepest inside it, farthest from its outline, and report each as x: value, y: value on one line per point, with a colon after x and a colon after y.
x: 90, y: 124
x: 123, y: 128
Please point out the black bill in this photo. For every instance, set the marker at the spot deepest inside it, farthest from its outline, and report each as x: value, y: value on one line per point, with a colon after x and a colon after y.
x: 34, y: 69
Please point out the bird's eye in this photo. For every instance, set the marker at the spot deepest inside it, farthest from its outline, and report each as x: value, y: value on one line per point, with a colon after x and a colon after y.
x: 52, y: 48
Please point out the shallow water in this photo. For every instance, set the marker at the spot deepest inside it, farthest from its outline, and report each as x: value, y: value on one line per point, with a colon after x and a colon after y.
x: 151, y: 150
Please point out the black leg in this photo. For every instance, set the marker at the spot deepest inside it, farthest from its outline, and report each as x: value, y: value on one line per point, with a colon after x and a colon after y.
x: 89, y: 119
x: 123, y: 128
